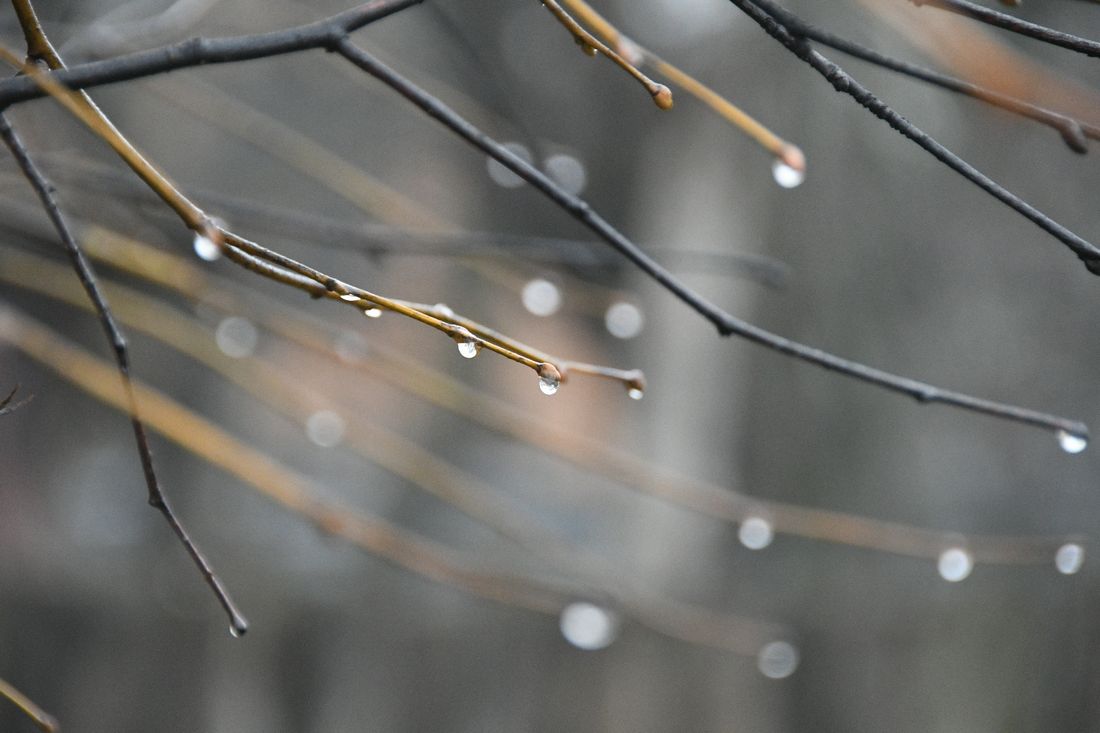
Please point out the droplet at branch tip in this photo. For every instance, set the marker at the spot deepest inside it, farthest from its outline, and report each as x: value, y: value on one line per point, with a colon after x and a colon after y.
x: 550, y: 378
x: 238, y: 626
x: 1072, y: 442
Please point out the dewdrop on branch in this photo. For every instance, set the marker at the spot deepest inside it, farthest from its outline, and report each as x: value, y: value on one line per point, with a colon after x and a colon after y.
x: 755, y: 533
x: 777, y: 660
x: 588, y: 626
x: 1071, y: 442
x: 1069, y: 558
x: 205, y: 248
x: 789, y: 167
x: 372, y: 312
x: 955, y: 564
x: 549, y: 378
x: 468, y: 345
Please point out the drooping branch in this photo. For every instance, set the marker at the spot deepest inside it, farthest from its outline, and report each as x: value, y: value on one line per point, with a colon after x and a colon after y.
x: 725, y: 323
x: 157, y: 498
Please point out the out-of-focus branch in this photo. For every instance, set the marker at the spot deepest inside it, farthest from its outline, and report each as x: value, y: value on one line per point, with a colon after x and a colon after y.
x: 376, y: 535
x: 45, y: 722
x: 6, y: 404
x: 629, y: 471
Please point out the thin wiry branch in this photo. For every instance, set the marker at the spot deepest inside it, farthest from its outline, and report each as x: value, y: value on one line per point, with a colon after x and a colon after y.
x: 725, y: 323
x: 1073, y: 131
x: 6, y: 404
x: 321, y: 34
x: 45, y: 722
x: 86, y: 275
x: 767, y: 14
x: 327, y: 34
x: 1016, y: 25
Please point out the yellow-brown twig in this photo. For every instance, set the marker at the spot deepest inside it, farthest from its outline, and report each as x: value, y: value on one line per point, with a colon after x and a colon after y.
x: 41, y: 718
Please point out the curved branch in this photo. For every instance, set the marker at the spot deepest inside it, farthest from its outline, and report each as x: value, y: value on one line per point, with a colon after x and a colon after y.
x: 725, y: 323
x: 1016, y: 25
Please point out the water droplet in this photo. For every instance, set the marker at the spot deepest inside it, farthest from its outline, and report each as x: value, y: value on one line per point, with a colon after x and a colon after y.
x: 237, y: 631
x: 785, y: 175
x: 588, y: 626
x: 469, y: 349
x: 1069, y: 558
x: 205, y: 248
x: 350, y: 297
x: 541, y: 297
x: 373, y: 312
x: 755, y: 533
x: 624, y: 320
x: 567, y: 171
x: 777, y: 659
x: 236, y: 337
x: 325, y: 428
x: 955, y: 564
x: 549, y: 378
x: 350, y: 347
x: 443, y: 311
x: 1072, y: 442
x: 635, y: 394
x: 501, y: 174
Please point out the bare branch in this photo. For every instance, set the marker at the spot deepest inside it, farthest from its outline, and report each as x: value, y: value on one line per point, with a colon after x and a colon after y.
x: 725, y: 323
x: 1014, y: 24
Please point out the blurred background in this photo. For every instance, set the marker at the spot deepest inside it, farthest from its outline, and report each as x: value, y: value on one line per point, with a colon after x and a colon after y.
x: 757, y: 545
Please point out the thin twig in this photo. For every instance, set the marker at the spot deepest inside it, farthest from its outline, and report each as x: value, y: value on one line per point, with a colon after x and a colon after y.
x: 725, y: 323
x: 45, y: 722
x: 1073, y: 131
x: 766, y: 14
x: 86, y: 275
x: 787, y: 152
x: 6, y: 405
x: 1014, y: 24
x: 661, y: 94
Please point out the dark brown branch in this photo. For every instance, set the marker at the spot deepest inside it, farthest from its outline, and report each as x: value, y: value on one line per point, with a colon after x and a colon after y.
x: 1073, y: 131
x: 725, y: 323
x: 6, y: 405
x: 84, y: 271
x: 197, y: 51
x: 767, y: 14
x: 1016, y: 25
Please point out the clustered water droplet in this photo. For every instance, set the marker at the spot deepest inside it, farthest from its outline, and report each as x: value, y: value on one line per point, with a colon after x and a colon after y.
x: 777, y: 660
x: 955, y: 564
x: 236, y: 337
x: 634, y: 393
x: 541, y: 297
x: 1069, y: 558
x: 588, y: 626
x: 1072, y: 442
x: 785, y: 175
x: 205, y: 248
x: 755, y: 533
x: 350, y: 297
x: 372, y: 312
